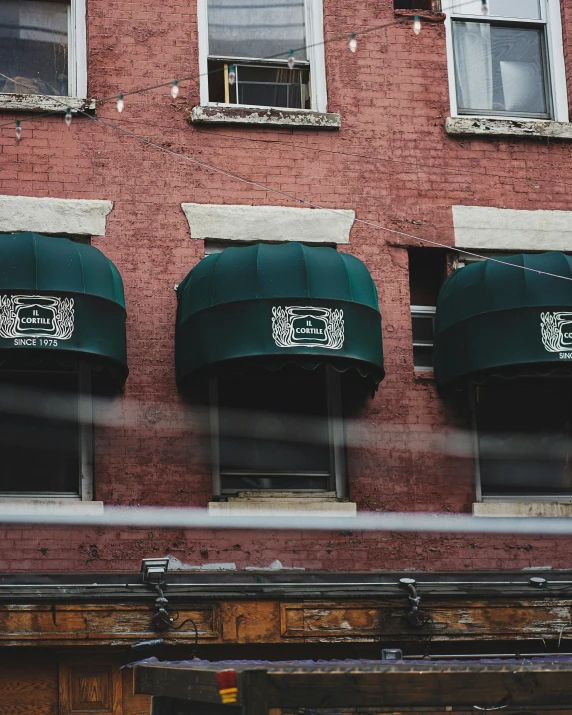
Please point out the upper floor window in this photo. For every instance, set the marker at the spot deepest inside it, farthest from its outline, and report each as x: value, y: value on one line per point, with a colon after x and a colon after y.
x: 427, y: 271
x: 245, y: 50
x: 509, y: 62
x: 43, y: 48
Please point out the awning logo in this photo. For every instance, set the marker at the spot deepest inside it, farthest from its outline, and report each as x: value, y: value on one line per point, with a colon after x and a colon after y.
x: 296, y: 326
x: 556, y: 330
x: 36, y: 316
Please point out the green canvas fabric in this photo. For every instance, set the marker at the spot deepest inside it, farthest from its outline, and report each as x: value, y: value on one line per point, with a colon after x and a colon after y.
x: 60, y: 302
x: 496, y: 317
x: 228, y: 302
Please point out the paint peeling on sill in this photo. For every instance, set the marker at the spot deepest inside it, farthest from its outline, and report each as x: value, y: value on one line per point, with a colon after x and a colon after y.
x: 532, y: 128
x: 265, y: 116
x: 44, y: 103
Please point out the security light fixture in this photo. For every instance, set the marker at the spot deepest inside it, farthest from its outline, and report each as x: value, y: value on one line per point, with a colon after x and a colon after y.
x: 537, y: 582
x: 406, y: 583
x: 154, y: 570
x: 391, y: 654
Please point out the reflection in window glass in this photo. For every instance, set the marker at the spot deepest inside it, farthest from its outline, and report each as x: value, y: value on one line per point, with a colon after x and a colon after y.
x: 525, y: 437
x: 529, y: 9
x: 39, y: 432
x: 34, y: 47
x: 257, y: 28
x: 499, y: 69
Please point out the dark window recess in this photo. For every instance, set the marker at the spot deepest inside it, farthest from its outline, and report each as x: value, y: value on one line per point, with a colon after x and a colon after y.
x: 34, y: 47
x: 274, y: 432
x: 430, y: 5
x: 427, y: 271
x: 259, y: 85
x: 525, y: 437
x: 39, y: 433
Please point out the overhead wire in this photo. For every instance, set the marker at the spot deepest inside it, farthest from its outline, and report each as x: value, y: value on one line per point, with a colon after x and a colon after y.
x: 297, y: 199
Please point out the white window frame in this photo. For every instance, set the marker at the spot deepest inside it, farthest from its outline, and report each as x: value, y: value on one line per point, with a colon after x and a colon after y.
x: 314, y: 18
x: 557, y: 93
x: 336, y: 439
x: 422, y: 311
x: 77, y: 67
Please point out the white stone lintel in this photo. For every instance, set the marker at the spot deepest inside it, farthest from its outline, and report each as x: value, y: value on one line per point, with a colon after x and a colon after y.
x: 76, y: 217
x: 227, y: 222
x: 493, y: 229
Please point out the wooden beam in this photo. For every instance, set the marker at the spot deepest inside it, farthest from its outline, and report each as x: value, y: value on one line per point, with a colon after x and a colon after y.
x: 173, y: 706
x: 403, y: 687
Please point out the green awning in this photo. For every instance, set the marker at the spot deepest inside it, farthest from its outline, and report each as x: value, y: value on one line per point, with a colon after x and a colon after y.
x: 278, y: 304
x: 60, y: 302
x: 497, y: 318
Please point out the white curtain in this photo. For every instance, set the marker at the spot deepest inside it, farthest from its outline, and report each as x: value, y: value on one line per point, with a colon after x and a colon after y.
x: 473, y: 65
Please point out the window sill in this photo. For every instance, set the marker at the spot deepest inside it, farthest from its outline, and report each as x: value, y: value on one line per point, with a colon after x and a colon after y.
x: 43, y: 103
x: 45, y: 507
x: 522, y: 508
x: 274, y: 504
x: 425, y: 15
x: 534, y: 128
x: 266, y: 116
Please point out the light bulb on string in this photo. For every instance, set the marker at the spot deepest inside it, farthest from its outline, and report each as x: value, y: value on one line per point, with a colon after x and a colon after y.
x: 416, y: 24
x: 291, y: 60
x: 120, y: 103
x: 68, y: 117
x: 175, y: 89
x: 484, y: 7
x: 231, y: 74
x: 352, y: 44
x: 18, y: 129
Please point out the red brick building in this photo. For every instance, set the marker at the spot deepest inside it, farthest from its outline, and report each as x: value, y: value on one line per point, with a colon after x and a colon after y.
x: 434, y: 150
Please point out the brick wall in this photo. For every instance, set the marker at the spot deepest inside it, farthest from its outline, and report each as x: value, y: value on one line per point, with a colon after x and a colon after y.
x: 393, y: 98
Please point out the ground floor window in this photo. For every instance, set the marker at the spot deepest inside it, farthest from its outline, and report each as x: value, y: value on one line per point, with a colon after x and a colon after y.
x: 45, y: 434
x: 523, y: 434
x: 278, y: 431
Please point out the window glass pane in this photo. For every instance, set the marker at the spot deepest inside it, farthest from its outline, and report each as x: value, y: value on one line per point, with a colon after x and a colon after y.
x: 423, y: 357
x: 499, y: 69
x: 34, y: 47
x: 274, y: 428
x: 39, y: 432
x: 525, y: 438
x: 273, y: 87
x: 422, y: 327
x: 529, y: 9
x: 526, y: 9
x: 256, y: 28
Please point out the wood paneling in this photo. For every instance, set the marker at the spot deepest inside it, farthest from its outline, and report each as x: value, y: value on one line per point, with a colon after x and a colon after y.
x: 28, y: 685
x: 90, y: 685
x: 267, y: 621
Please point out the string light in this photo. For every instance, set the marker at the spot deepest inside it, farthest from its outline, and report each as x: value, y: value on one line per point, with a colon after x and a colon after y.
x: 175, y: 89
x: 120, y: 103
x: 18, y: 129
x: 231, y: 74
x: 291, y: 59
x: 484, y: 7
x: 352, y: 44
x: 68, y: 117
x: 416, y: 24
